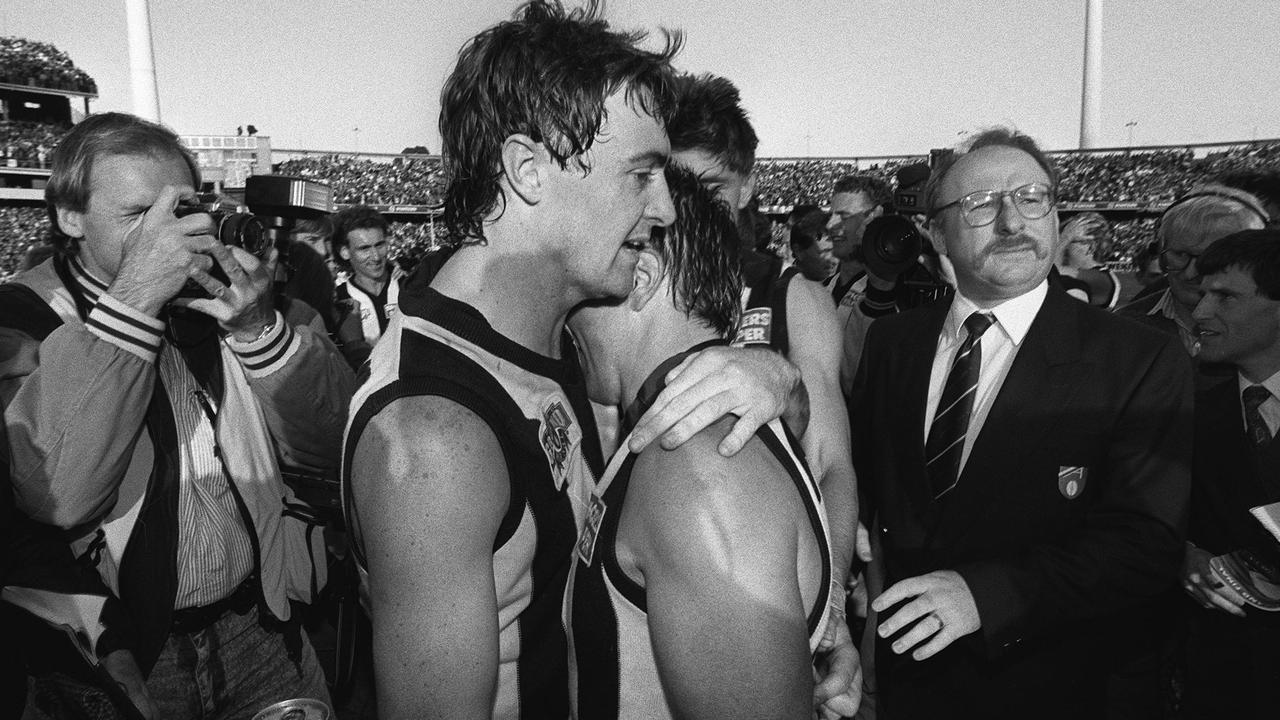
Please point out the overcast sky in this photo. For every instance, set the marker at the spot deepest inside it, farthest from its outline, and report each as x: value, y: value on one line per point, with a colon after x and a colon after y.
x: 819, y: 77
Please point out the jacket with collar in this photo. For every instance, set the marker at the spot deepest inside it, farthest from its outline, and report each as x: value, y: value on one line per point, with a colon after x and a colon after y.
x: 93, y: 446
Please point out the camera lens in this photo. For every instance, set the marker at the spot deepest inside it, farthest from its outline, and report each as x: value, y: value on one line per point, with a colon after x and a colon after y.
x: 891, y: 244
x: 246, y: 232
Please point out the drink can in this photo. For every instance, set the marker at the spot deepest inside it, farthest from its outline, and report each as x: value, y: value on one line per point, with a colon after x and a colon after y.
x: 296, y: 709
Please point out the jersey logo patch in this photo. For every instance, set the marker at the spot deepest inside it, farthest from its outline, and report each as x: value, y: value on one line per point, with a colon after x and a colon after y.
x: 595, y: 516
x: 557, y: 438
x: 755, y: 327
x: 1071, y: 481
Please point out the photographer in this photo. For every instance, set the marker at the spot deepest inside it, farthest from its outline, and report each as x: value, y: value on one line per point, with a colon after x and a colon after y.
x: 880, y: 247
x: 146, y: 402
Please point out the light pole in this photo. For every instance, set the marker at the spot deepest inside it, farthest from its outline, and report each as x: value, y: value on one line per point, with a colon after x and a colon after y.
x: 356, y: 130
x: 1131, y: 125
x: 1091, y: 87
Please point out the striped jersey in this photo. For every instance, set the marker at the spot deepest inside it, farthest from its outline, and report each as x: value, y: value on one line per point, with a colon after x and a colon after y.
x: 613, y: 670
x: 441, y: 347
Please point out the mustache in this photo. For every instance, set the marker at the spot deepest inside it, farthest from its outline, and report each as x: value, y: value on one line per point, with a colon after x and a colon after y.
x: 1019, y: 242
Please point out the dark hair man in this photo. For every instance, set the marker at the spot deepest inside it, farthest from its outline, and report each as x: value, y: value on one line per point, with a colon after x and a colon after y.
x: 1232, y: 667
x: 471, y: 451
x: 368, y: 296
x: 811, y: 246
x: 149, y: 422
x: 711, y: 135
x: 1027, y: 456
x: 657, y: 556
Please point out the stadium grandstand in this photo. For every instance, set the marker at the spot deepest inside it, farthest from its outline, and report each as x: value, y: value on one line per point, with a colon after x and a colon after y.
x: 41, y: 93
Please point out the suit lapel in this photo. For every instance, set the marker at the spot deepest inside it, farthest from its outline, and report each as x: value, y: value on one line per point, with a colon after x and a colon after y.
x: 1042, y: 379
x: 1223, y: 427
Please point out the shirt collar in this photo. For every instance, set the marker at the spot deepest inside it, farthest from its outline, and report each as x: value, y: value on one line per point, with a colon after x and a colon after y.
x: 1014, y: 316
x: 1272, y: 383
x: 1166, y: 308
x: 86, y: 283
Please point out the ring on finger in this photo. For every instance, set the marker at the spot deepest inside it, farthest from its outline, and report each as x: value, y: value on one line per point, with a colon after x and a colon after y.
x: 219, y: 291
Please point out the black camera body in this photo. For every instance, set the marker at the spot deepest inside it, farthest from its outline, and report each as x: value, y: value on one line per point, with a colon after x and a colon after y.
x: 272, y: 203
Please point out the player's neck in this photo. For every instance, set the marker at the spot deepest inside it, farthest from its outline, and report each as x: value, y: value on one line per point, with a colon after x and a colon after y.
x: 668, y: 340
x: 521, y: 300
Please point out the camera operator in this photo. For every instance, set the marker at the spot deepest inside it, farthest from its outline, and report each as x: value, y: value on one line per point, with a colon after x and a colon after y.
x: 146, y: 402
x: 880, y: 244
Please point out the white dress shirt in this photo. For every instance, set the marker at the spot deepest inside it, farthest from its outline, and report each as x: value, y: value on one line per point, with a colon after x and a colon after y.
x: 999, y: 346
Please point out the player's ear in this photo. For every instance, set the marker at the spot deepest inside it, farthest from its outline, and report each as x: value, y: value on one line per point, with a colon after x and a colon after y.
x: 344, y: 252
x: 648, y: 277
x: 71, y: 222
x: 522, y: 166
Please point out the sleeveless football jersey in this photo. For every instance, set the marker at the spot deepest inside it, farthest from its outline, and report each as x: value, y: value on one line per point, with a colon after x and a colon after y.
x: 536, y: 407
x: 614, y: 673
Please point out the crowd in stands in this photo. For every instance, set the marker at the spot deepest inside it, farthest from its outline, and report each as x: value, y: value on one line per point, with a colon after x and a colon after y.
x: 27, y: 144
x: 39, y: 64
x: 1143, y: 176
x: 402, y: 181
x: 20, y: 228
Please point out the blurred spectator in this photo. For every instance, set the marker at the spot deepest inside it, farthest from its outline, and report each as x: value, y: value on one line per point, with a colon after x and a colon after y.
x: 1081, y: 243
x: 811, y: 246
x: 1146, y: 264
x: 27, y: 144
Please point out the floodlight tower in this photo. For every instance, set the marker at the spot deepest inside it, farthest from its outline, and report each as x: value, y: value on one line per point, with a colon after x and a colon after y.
x: 142, y: 61
x: 1091, y: 92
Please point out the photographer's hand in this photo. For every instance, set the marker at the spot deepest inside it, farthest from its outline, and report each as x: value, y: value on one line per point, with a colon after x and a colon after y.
x: 244, y: 308
x: 160, y: 252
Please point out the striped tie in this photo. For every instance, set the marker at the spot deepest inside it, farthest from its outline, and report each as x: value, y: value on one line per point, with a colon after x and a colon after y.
x: 1254, y: 396
x: 945, y: 445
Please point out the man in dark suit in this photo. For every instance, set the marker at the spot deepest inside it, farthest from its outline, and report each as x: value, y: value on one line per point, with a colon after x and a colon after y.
x: 1233, y: 649
x: 1027, y: 457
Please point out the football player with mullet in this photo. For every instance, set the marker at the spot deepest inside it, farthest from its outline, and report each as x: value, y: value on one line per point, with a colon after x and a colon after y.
x: 471, y: 452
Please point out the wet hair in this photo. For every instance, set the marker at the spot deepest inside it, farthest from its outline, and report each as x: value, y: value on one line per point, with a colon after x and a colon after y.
x: 545, y: 74
x: 356, y: 217
x: 98, y: 136
x: 700, y: 250
x: 1256, y: 252
x: 709, y: 117
x: 875, y: 188
x: 993, y: 137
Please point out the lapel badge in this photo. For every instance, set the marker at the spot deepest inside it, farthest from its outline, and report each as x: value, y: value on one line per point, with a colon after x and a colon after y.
x: 1071, y: 481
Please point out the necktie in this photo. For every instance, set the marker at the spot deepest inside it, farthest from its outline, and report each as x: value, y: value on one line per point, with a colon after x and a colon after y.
x: 1254, y: 396
x: 945, y: 445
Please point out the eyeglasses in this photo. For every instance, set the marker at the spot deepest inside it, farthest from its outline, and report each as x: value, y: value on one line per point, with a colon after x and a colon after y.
x: 981, y: 208
x: 1175, y: 260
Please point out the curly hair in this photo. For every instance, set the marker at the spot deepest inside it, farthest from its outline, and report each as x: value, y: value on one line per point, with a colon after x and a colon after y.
x: 545, y: 74
x: 701, y: 252
x: 709, y: 117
